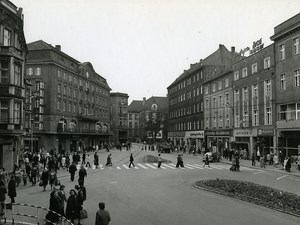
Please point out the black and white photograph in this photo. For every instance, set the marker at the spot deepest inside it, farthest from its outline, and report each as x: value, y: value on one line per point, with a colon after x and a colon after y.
x: 150, y: 112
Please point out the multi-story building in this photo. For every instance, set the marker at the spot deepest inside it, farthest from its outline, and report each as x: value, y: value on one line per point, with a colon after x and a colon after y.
x: 134, y: 110
x: 119, y: 117
x: 70, y: 101
x: 253, y: 106
x: 147, y: 119
x: 287, y: 66
x: 13, y: 51
x: 186, y: 105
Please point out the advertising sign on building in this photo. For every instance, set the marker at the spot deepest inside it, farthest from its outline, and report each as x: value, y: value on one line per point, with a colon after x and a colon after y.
x: 176, y: 134
x: 195, y: 134
x: 265, y: 132
x: 242, y: 133
x: 218, y: 133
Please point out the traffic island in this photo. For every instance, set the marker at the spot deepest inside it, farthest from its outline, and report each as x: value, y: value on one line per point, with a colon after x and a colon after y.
x: 254, y: 193
x: 154, y: 159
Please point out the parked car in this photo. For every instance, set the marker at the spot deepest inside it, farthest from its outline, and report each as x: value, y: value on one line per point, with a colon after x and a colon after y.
x: 212, y: 157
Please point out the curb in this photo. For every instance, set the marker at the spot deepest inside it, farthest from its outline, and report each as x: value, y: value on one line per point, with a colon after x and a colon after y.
x: 245, y: 200
x: 266, y: 169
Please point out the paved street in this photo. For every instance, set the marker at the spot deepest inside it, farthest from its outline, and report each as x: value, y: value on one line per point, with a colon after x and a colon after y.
x: 148, y: 195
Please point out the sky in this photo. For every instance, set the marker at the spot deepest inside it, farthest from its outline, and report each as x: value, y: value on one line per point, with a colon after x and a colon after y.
x: 141, y: 46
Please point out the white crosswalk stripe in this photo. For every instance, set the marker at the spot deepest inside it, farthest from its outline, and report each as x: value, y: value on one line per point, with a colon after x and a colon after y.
x: 177, y: 167
x: 171, y: 167
x: 144, y: 167
x: 195, y: 166
x: 125, y: 166
x: 118, y: 167
x: 161, y: 167
x: 153, y: 167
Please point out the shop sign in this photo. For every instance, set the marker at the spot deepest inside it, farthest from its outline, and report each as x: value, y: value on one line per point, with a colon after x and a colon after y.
x: 256, y: 46
x: 195, y: 134
x: 218, y: 133
x: 265, y: 132
x: 242, y: 133
x: 176, y: 134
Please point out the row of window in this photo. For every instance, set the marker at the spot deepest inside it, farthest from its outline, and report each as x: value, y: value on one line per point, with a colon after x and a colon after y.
x: 10, y: 38
x: 187, y: 82
x: 5, y: 109
x: 296, y: 79
x: 186, y: 96
x: 196, y: 108
x: 132, y: 116
x: 5, y: 77
x: 72, y: 108
x: 189, y: 125
x: 295, y: 49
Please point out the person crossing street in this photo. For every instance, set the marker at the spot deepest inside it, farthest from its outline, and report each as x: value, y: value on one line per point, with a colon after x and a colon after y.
x: 159, y: 161
x: 131, y: 161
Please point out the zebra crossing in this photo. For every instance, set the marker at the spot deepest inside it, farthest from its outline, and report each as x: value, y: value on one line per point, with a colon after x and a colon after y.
x: 170, y: 166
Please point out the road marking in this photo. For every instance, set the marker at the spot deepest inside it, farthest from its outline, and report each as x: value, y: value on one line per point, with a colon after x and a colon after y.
x: 161, y: 167
x: 144, y: 167
x: 218, y: 168
x: 151, y: 166
x: 167, y: 165
x: 282, y: 177
x: 135, y: 167
x: 125, y: 166
x: 259, y: 172
x: 177, y: 167
x: 196, y: 167
x: 118, y: 167
x: 113, y: 182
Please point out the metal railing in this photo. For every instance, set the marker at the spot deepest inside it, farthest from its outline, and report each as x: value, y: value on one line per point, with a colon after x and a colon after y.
x: 21, y: 213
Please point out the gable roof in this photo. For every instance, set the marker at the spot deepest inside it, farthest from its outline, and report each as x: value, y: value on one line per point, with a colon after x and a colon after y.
x: 135, y: 106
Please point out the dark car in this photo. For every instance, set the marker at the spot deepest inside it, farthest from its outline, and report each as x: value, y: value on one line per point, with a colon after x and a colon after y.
x: 164, y: 148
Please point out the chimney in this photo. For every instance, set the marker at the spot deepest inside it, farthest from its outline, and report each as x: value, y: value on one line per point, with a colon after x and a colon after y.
x: 232, y: 54
x: 58, y: 47
x: 144, y: 101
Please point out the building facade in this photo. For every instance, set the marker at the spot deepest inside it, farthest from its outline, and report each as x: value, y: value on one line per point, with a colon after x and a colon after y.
x: 253, y: 106
x: 134, y: 124
x: 186, y: 99
x: 70, y: 101
x: 119, y: 117
x: 13, y: 52
x: 287, y: 66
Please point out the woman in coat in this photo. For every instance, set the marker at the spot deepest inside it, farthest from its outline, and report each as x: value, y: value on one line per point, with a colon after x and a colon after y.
x: 12, y: 192
x: 73, y: 207
x: 45, y: 178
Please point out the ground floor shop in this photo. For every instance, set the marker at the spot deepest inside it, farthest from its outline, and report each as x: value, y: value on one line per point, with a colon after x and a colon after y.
x: 187, y: 139
x: 218, y: 140
x: 289, y: 142
x: 9, y: 149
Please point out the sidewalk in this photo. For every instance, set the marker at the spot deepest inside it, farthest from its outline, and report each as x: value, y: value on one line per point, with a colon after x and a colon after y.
x: 248, y: 163
x: 273, y: 168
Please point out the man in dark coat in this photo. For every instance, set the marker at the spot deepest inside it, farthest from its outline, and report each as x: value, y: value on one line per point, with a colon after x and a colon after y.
x: 102, y: 216
x: 82, y: 174
x: 131, y: 161
x: 72, y: 170
x: 73, y: 207
x: 83, y: 158
x: 55, y: 206
x: 12, y: 192
x: 96, y: 160
x: 45, y: 178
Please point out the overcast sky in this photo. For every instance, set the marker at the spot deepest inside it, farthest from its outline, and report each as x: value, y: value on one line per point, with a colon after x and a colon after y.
x: 142, y: 46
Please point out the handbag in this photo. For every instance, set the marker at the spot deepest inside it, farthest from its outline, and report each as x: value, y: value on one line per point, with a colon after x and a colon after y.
x: 83, y: 213
x: 41, y: 183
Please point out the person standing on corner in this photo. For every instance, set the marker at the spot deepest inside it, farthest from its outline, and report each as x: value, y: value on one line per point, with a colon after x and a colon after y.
x: 159, y: 161
x: 82, y: 174
x: 72, y: 170
x: 253, y: 159
x: 12, y: 192
x: 131, y: 161
x: 102, y: 216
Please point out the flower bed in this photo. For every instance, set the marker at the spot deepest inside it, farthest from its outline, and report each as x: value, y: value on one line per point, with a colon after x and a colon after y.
x: 255, y: 193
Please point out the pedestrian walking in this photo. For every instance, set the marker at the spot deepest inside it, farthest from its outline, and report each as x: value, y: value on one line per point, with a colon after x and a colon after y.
x: 52, y: 177
x: 96, y: 160
x: 55, y: 206
x: 62, y: 195
x: 63, y: 162
x: 83, y: 158
x: 262, y: 161
x: 206, y: 161
x: 82, y: 174
x: 159, y: 161
x: 109, y: 160
x: 131, y: 161
x: 73, y: 207
x: 44, y: 179
x: 179, y: 161
x: 3, y: 192
x: 12, y: 192
x: 102, y: 216
x: 72, y: 170
x: 253, y: 159
x: 34, y: 174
